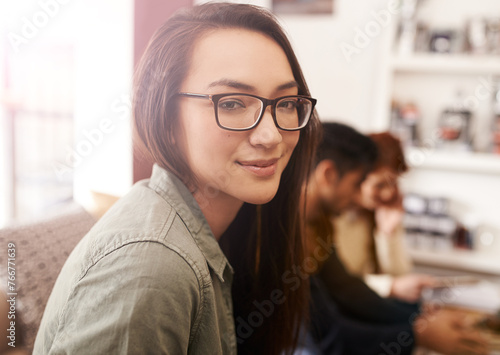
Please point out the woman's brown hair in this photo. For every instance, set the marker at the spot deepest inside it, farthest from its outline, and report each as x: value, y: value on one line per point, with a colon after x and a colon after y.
x: 263, y: 244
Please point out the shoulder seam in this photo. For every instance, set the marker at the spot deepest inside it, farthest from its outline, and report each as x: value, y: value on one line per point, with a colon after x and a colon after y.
x: 193, y: 266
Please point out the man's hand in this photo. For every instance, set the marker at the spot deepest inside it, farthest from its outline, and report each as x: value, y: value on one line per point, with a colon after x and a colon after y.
x: 409, y: 287
x: 449, y: 333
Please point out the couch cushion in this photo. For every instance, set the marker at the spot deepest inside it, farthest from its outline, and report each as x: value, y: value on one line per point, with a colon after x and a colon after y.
x: 41, y: 249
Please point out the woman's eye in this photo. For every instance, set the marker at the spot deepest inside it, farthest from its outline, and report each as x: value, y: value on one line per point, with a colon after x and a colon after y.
x: 230, y: 105
x: 287, y: 104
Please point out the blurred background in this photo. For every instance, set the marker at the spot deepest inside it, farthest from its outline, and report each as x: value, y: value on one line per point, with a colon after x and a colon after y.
x: 64, y: 100
x: 427, y: 70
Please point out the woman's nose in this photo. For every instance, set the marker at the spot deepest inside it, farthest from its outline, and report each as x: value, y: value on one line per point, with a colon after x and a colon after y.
x: 266, y: 133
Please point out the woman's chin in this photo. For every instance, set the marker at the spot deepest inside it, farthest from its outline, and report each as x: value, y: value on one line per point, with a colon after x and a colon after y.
x: 260, y: 198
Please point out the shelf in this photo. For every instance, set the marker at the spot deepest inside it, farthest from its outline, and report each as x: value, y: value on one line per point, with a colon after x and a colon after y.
x: 423, y: 158
x: 447, y: 64
x: 466, y: 260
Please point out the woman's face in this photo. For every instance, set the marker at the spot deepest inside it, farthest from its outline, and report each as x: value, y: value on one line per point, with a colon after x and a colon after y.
x: 379, y: 188
x: 239, y: 166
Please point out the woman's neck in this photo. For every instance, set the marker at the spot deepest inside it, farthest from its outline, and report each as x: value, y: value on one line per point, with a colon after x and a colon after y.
x: 219, y: 211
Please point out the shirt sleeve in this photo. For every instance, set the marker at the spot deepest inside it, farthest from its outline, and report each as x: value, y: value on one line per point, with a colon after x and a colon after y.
x: 353, y: 297
x: 142, y: 298
x: 381, y: 284
x: 337, y: 333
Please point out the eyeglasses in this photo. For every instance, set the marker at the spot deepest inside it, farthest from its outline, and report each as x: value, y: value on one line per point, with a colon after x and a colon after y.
x: 242, y: 112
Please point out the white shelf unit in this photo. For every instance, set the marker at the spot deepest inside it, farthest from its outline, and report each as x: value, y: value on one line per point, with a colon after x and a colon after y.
x: 447, y: 64
x: 432, y: 80
x: 471, y: 180
x: 458, y: 260
x: 470, y: 162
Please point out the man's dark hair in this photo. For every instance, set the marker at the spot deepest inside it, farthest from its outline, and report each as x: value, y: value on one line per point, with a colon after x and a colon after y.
x: 347, y: 148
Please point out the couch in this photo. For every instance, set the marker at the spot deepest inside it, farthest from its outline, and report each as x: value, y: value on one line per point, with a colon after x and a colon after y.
x: 41, y: 248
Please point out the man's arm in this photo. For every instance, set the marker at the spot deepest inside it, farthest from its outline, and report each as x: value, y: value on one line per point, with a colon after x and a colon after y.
x: 355, y: 298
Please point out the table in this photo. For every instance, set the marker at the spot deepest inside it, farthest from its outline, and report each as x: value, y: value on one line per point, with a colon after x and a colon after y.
x: 476, y: 299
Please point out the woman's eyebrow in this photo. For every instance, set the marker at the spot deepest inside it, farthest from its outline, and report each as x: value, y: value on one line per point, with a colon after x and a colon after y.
x: 290, y: 85
x: 232, y: 84
x: 242, y: 86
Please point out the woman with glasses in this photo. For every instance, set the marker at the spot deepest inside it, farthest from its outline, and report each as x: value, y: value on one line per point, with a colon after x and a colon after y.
x: 221, y: 105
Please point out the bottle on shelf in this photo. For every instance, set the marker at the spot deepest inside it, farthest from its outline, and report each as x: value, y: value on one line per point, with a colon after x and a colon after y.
x: 428, y: 223
x: 476, y: 30
x: 454, y: 127
x: 407, y: 27
x: 404, y: 123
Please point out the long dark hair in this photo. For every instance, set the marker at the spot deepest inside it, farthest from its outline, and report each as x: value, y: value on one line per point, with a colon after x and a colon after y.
x: 264, y: 243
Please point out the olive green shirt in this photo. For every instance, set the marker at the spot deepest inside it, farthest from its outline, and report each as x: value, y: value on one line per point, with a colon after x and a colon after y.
x: 149, y: 278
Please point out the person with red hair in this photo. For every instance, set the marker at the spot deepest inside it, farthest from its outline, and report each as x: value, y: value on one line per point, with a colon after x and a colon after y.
x: 370, y: 237
x: 346, y: 316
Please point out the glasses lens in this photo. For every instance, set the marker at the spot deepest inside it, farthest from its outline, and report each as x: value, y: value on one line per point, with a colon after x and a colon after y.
x: 238, y: 111
x: 293, y: 112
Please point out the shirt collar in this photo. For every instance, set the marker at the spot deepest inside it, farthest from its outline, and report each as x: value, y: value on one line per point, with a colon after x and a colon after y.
x: 180, y: 198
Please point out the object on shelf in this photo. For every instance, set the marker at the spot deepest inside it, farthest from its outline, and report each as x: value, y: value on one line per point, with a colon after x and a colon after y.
x: 427, y: 223
x: 415, y: 207
x: 438, y: 206
x: 422, y: 38
x: 483, y: 35
x: 464, y: 237
x: 443, y: 226
x: 404, y: 123
x: 444, y: 41
x: 493, y: 35
x: 407, y: 27
x: 487, y: 239
x: 415, y: 204
x: 455, y: 127
x: 476, y: 36
x: 407, y: 38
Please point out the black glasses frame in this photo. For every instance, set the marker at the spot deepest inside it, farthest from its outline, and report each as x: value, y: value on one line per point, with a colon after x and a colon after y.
x: 265, y: 102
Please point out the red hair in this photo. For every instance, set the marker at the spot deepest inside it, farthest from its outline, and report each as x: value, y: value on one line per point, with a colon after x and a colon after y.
x: 390, y: 152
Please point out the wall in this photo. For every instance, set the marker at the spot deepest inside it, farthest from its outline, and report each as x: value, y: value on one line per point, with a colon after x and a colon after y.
x: 104, y: 66
x: 103, y: 35
x: 346, y: 82
x: 108, y: 56
x: 36, y: 58
x: 148, y: 16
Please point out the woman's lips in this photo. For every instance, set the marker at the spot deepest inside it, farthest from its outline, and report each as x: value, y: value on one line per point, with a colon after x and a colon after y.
x: 260, y: 168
